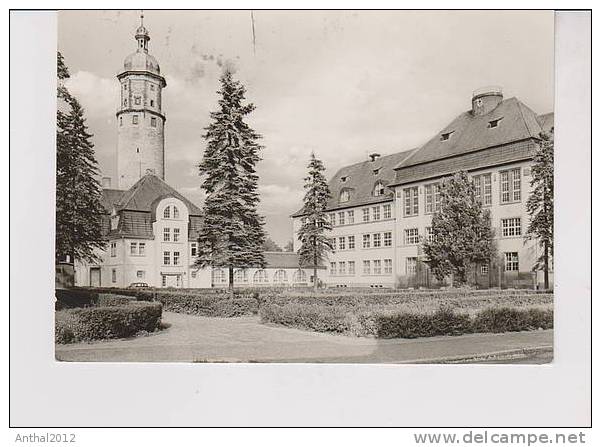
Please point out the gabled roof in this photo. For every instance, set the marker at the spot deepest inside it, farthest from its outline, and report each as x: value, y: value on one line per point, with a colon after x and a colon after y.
x: 360, y: 179
x: 471, y: 133
x: 546, y: 121
x: 146, y: 191
x: 110, y: 197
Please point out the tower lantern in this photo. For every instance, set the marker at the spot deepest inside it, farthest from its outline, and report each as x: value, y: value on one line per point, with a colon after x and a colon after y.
x: 140, y: 117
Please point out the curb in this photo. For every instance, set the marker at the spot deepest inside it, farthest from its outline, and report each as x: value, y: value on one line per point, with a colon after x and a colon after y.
x: 483, y: 356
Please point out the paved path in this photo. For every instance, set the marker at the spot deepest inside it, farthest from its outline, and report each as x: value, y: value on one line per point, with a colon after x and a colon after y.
x: 201, y: 339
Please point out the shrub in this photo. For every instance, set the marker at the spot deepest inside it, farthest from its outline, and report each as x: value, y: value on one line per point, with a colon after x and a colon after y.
x: 409, y: 325
x: 507, y: 319
x: 96, y: 323
x: 107, y: 299
x: 212, y: 305
x: 316, y: 318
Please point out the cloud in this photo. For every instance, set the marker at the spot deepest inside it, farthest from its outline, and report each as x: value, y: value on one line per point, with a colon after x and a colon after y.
x: 278, y: 199
x: 99, y: 96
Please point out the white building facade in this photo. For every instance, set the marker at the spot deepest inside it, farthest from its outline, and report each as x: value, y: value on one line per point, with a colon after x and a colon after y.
x: 494, y: 142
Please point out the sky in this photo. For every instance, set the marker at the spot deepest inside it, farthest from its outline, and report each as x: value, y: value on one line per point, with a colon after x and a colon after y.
x: 341, y: 84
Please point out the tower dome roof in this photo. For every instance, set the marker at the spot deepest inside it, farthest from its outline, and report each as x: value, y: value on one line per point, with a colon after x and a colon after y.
x: 141, y: 61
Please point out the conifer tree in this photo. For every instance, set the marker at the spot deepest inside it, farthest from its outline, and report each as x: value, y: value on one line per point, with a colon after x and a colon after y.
x: 79, y: 209
x: 232, y: 234
x: 540, y: 203
x: 461, y: 230
x: 312, y: 233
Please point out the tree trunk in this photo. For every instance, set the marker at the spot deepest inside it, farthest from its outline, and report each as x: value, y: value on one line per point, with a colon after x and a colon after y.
x: 231, y: 281
x: 546, y: 268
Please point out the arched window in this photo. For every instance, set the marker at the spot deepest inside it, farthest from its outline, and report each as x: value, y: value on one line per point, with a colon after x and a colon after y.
x: 300, y: 276
x: 240, y: 276
x: 345, y: 195
x: 167, y: 213
x: 219, y: 276
x: 280, y: 277
x: 260, y: 277
x: 379, y: 189
x: 175, y: 212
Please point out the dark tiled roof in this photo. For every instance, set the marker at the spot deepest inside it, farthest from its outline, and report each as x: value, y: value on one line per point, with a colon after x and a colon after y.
x: 110, y: 197
x: 360, y: 180
x: 471, y: 133
x: 146, y: 191
x: 546, y: 121
x: 134, y: 224
x: 283, y: 260
x: 474, y: 145
x: 194, y: 227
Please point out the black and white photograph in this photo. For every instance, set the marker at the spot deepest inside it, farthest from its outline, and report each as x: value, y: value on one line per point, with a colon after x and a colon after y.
x: 374, y: 200
x: 390, y: 208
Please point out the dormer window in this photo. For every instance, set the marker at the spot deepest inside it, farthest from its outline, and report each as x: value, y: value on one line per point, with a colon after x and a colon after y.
x: 343, y: 179
x: 345, y: 195
x: 376, y: 171
x: 494, y: 123
x: 379, y: 189
x: 445, y: 136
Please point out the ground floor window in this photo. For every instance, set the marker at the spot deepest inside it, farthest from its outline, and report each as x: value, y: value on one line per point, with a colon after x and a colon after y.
x: 240, y: 276
x: 260, y: 276
x: 140, y: 274
x: 484, y: 269
x: 411, y: 266
x: 377, y: 267
x: 512, y: 263
x: 388, y: 266
x: 351, y: 267
x: 280, y: 277
x: 219, y: 276
x: 299, y: 276
x: 114, y: 275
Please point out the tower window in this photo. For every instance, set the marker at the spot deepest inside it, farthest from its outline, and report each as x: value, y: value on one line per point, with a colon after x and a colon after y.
x: 152, y: 87
x: 153, y: 122
x: 137, y: 100
x: 121, y: 121
x: 125, y: 87
x: 152, y: 103
x: 125, y: 102
x: 134, y: 119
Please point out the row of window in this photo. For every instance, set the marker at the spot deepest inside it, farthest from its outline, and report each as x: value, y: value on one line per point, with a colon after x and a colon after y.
x: 138, y: 101
x: 370, y: 267
x: 136, y: 120
x: 170, y: 258
x: 373, y: 213
x: 151, y: 87
x: 379, y: 189
x: 169, y: 236
x: 511, y: 259
x: 220, y: 276
x: 510, y: 227
x: 171, y: 212
x: 510, y: 192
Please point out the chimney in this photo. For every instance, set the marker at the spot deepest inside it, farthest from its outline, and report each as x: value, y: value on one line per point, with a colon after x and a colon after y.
x: 374, y: 156
x: 486, y: 99
x: 106, y: 182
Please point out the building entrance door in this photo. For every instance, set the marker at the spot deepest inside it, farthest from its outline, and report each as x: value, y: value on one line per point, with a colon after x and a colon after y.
x: 94, y: 276
x: 172, y: 280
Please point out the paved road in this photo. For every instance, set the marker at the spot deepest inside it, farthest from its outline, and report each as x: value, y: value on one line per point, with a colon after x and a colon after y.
x: 201, y: 339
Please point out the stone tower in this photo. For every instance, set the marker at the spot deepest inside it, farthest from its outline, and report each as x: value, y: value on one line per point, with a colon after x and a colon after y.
x: 140, y: 119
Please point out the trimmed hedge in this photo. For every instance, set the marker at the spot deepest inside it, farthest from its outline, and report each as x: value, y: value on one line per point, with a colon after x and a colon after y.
x: 506, y: 319
x: 387, y: 323
x: 213, y: 305
x: 97, y: 323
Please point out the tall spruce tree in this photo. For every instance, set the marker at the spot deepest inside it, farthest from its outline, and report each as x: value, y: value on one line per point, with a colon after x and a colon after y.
x: 461, y: 230
x: 232, y: 234
x: 540, y: 203
x: 79, y: 209
x: 312, y: 233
